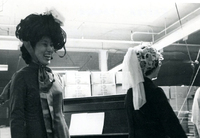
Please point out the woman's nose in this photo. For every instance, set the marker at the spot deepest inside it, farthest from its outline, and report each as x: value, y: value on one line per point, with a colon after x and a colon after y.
x: 50, y: 48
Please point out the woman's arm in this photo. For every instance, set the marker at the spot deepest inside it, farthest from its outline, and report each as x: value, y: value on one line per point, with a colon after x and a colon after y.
x: 17, y: 102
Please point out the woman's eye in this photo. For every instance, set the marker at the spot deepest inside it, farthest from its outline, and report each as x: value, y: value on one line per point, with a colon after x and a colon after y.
x: 45, y: 44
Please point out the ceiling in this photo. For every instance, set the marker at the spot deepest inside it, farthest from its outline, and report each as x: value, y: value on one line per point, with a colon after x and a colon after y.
x: 112, y: 25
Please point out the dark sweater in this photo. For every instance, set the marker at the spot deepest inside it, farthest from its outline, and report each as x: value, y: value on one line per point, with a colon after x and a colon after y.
x: 156, y: 118
x: 26, y: 117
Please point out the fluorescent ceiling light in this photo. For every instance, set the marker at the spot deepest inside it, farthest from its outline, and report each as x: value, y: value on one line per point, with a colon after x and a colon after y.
x: 9, y: 45
x: 186, y: 29
x: 3, y: 67
x: 64, y: 69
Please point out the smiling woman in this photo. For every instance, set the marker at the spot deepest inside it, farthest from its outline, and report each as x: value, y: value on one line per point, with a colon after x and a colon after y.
x: 44, y: 50
x: 35, y: 92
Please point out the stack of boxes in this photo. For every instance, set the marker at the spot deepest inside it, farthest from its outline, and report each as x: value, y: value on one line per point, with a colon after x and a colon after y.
x: 190, y: 124
x: 182, y: 97
x: 77, y: 84
x: 86, y: 84
x: 166, y: 90
x: 181, y: 100
x: 103, y: 83
x: 119, y: 78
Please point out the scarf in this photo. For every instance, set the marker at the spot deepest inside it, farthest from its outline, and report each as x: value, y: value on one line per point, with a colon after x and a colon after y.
x: 45, y: 79
x: 133, y: 78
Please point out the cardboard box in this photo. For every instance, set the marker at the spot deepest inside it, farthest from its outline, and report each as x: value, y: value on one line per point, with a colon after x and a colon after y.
x: 193, y: 91
x: 178, y: 91
x: 182, y: 91
x: 103, y: 78
x: 75, y: 77
x: 103, y: 89
x: 118, y: 77
x: 176, y: 104
x: 77, y: 90
x: 5, y: 132
x: 166, y: 90
x: 190, y: 103
x: 63, y: 81
x: 119, y: 89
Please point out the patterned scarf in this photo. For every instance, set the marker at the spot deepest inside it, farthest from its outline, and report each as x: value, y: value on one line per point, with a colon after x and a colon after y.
x: 46, y: 79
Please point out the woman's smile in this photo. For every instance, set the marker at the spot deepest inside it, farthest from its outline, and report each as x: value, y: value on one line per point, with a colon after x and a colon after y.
x: 48, y: 56
x: 44, y: 50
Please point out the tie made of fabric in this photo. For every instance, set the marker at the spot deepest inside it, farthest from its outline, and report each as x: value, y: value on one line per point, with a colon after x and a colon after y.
x: 46, y: 79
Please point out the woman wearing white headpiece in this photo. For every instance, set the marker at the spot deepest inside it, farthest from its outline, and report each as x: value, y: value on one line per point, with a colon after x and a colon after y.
x: 149, y: 113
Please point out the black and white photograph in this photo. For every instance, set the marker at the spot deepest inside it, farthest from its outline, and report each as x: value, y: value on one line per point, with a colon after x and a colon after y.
x: 99, y: 69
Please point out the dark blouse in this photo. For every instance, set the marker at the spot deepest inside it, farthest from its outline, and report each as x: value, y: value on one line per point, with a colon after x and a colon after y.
x: 156, y: 118
x: 26, y: 118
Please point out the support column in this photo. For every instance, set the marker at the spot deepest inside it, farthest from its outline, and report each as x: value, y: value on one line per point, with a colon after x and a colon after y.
x: 103, y: 58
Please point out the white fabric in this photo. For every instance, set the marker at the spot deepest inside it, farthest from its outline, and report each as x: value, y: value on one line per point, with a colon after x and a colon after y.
x: 196, y: 110
x: 133, y: 78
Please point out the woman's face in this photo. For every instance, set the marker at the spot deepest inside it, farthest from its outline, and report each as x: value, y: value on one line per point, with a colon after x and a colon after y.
x: 156, y: 71
x: 44, y: 50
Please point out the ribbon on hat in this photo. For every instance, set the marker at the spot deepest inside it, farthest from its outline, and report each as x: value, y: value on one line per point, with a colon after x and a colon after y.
x: 133, y: 78
x: 59, y: 18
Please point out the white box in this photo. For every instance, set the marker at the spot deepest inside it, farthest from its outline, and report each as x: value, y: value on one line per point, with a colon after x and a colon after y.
x: 118, y: 77
x: 62, y: 81
x: 75, y: 77
x: 77, y: 90
x: 5, y: 132
x: 182, y: 91
x: 120, y: 90
x: 178, y: 91
x: 103, y: 78
x: 179, y: 103
x: 103, y: 89
x: 166, y: 90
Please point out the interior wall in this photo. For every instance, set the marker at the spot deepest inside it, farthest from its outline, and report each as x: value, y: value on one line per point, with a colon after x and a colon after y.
x: 176, y: 68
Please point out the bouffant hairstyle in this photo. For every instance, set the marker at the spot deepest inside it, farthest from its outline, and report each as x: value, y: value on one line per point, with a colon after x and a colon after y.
x: 149, y: 59
x: 36, y: 26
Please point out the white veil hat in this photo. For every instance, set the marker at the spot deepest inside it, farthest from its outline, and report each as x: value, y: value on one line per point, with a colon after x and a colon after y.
x: 133, y: 78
